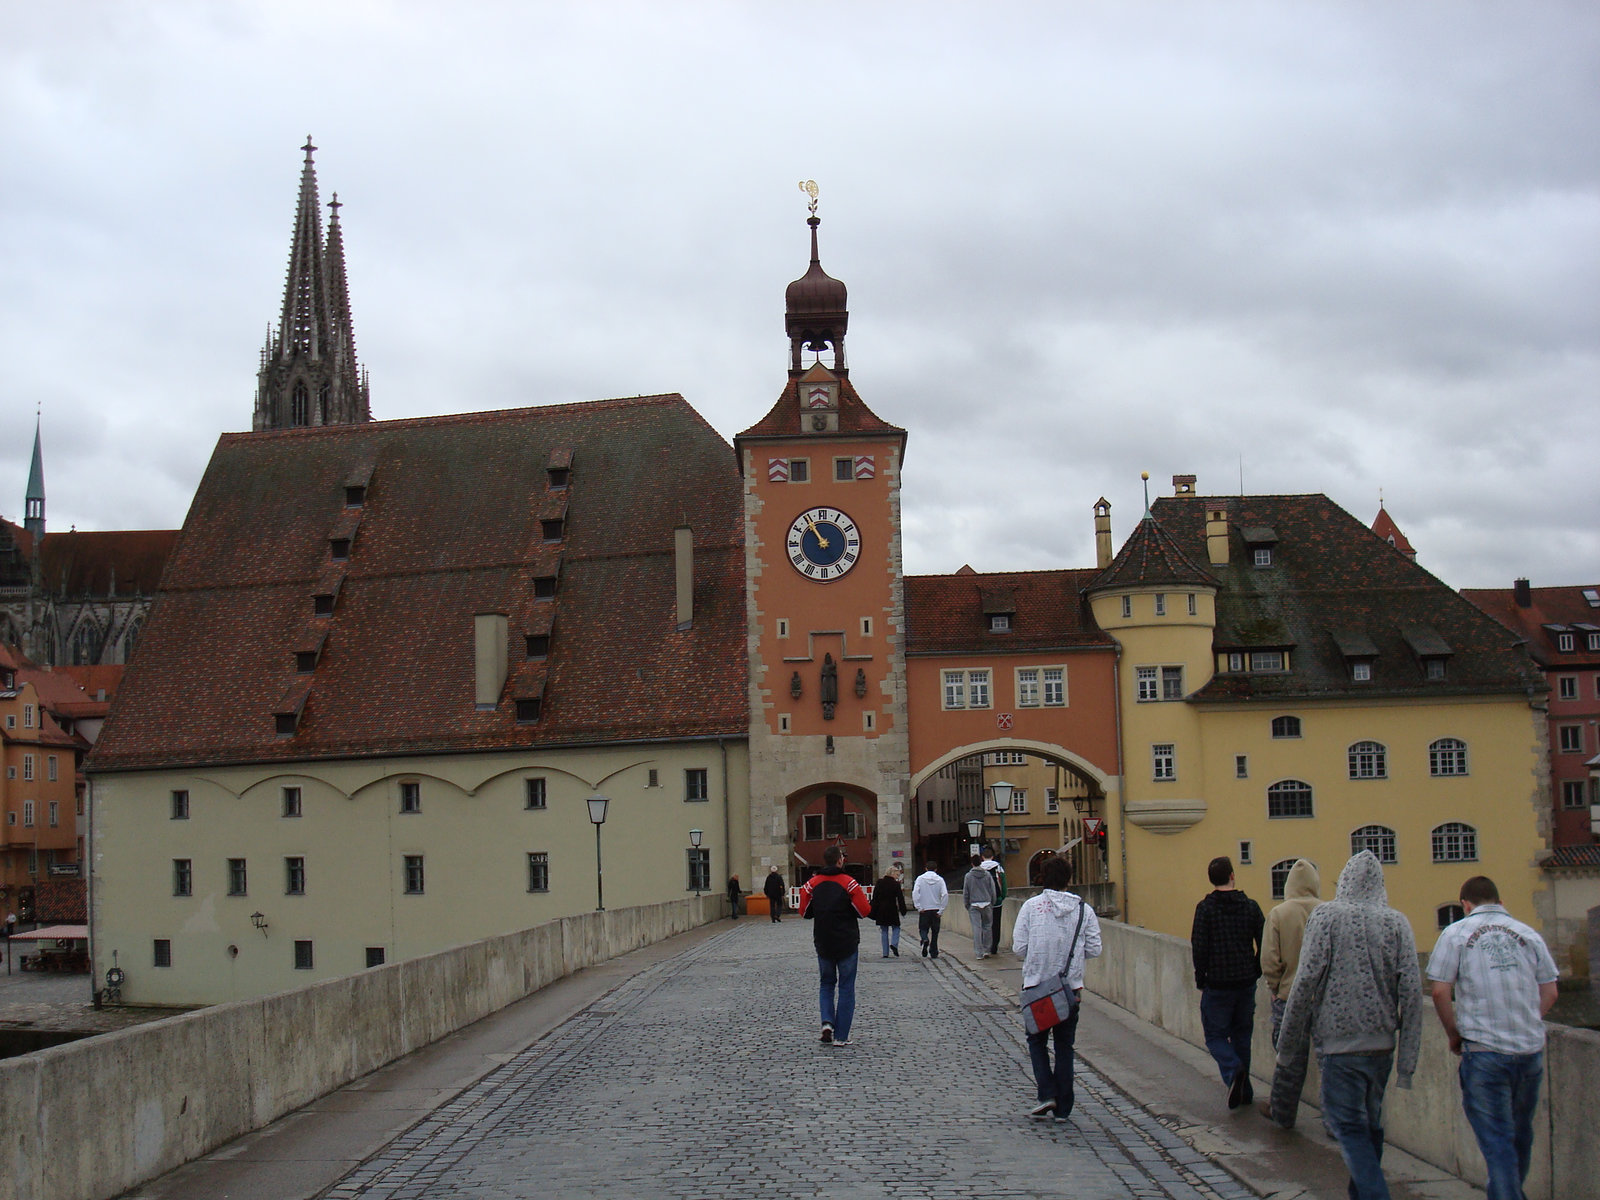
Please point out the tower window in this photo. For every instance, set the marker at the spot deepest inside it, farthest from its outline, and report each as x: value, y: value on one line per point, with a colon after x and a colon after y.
x: 1127, y: 606
x: 410, y: 796
x: 300, y: 405
x: 844, y: 470
x: 1161, y: 604
x: 799, y: 470
x: 291, y: 802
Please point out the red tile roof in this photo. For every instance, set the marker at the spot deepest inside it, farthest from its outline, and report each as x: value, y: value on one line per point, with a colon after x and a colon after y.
x: 1383, y: 525
x: 855, y: 418
x: 1551, y: 611
x: 450, y: 528
x: 121, y: 562
x: 945, y: 613
x: 1151, y: 556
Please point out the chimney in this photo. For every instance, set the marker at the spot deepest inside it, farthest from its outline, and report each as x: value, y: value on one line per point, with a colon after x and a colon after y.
x: 489, y: 657
x: 683, y: 562
x: 1522, y: 593
x: 1102, y: 533
x: 1217, y: 536
x: 1183, y: 485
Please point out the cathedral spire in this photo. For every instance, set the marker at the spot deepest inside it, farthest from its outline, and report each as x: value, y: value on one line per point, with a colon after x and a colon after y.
x: 33, y: 504
x: 309, y: 374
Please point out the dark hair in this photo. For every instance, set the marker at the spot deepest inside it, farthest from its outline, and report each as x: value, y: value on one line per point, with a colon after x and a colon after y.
x: 931, y: 865
x: 1480, y: 889
x: 831, y: 856
x: 1220, y: 870
x: 1055, y: 873
x: 976, y: 861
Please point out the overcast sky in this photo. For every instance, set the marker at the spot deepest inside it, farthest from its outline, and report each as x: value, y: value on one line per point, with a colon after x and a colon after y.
x: 1333, y: 248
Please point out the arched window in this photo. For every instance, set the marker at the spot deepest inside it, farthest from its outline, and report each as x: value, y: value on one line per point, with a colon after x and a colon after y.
x: 1280, y: 876
x: 300, y: 405
x: 131, y: 638
x: 1377, y: 838
x: 1369, y: 760
x: 1455, y: 842
x: 1449, y: 914
x: 86, y: 645
x: 1447, y: 756
x: 1285, y: 727
x: 1289, y: 798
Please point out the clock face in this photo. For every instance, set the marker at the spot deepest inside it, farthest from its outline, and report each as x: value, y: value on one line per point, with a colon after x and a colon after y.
x: 823, y: 544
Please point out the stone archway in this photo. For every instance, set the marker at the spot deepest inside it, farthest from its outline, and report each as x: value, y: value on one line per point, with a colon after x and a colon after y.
x: 832, y: 814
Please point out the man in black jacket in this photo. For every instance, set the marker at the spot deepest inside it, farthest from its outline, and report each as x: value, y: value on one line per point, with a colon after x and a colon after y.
x: 1226, y: 941
x: 835, y: 903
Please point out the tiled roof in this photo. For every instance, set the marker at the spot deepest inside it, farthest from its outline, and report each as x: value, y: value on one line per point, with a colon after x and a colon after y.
x: 1333, y: 581
x: 1383, y: 525
x: 449, y: 528
x: 1562, y: 607
x: 127, y: 562
x: 1152, y: 556
x: 945, y: 614
x: 854, y: 416
x: 1573, y: 856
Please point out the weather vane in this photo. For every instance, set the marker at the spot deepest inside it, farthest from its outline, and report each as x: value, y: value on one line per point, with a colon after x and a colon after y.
x: 809, y: 187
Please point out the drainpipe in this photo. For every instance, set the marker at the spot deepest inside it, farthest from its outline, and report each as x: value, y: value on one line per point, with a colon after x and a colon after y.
x: 1122, y: 790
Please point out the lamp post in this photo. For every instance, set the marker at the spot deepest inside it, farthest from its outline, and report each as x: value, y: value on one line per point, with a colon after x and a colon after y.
x: 597, y: 814
x: 974, y: 831
x: 1002, y: 801
x: 695, y: 838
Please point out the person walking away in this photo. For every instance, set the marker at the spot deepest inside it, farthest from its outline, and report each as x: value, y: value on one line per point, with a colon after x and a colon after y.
x: 1358, y: 997
x: 992, y: 864
x: 735, y: 894
x: 1493, y: 980
x: 1280, y: 957
x: 977, y: 894
x: 929, y: 896
x: 774, y: 889
x: 1055, y: 932
x: 888, y: 906
x: 1226, y: 944
x: 835, y: 902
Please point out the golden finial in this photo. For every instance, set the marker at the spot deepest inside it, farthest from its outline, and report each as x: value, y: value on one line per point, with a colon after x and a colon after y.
x: 809, y: 187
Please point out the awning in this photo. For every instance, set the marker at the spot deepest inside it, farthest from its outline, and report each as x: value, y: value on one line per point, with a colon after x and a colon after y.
x: 53, y: 933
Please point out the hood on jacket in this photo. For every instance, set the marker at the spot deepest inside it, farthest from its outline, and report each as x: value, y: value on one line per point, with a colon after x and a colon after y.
x: 1058, y: 904
x: 1304, y: 880
x: 1361, y: 881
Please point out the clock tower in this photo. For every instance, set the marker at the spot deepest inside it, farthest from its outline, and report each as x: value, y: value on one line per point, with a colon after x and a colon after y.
x: 829, y: 754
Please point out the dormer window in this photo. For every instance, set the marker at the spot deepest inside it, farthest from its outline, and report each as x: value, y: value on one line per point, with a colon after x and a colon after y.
x: 355, y: 495
x: 339, y: 549
x: 528, y: 710
x: 305, y: 661
x: 1566, y: 643
x: 286, y: 723
x: 538, y: 645
x: 558, y: 477
x: 1361, y: 671
x: 552, y: 529
x: 1000, y: 623
x: 544, y: 587
x: 322, y: 605
x: 1433, y: 668
x: 1261, y: 556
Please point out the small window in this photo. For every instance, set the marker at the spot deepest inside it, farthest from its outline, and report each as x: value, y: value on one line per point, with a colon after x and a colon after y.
x: 1572, y: 794
x: 1593, y: 641
x: 1163, y: 758
x: 27, y: 767
x: 1379, y: 839
x: 182, y: 877
x: 410, y: 796
x: 1447, y: 756
x: 291, y: 802
x: 162, y: 956
x: 538, y: 645
x: 783, y: 722
x: 1565, y: 643
x: 544, y: 587
x: 1172, y: 683
x: 1369, y: 760
x: 413, y: 874
x: 1569, y: 738
x: 1245, y: 850
x: 558, y: 477
x: 305, y: 661
x: 27, y: 716
x: 1455, y: 842
x: 1052, y: 802
x: 1147, y: 682
x: 11, y: 720
x: 844, y: 470
x: 811, y: 827
x: 285, y: 724
x: 237, y: 877
x: 375, y: 956
x: 1241, y: 766
x: 1261, y: 556
x: 695, y: 784
x: 866, y: 626
x: 799, y: 470
x: 1290, y: 798
x: 55, y: 814
x: 294, y: 876
x: 1285, y: 727
x: 1235, y: 661
x: 1435, y: 668
x: 1361, y: 671
x: 529, y: 709
x: 1266, y: 660
x: 869, y: 720
x: 653, y: 778
x: 27, y: 815
x: 302, y: 956
x: 551, y: 530
x: 533, y: 792
x: 538, y: 871
x: 999, y: 622
x: 1127, y: 606
x: 783, y: 627
x: 322, y: 604
x: 1449, y: 914
x: 1055, y: 687
x: 1194, y: 605
x: 1161, y: 604
x: 339, y: 549
x: 699, y: 869
x: 1280, y: 876
x: 355, y: 496
x: 1027, y: 687
x: 1567, y: 687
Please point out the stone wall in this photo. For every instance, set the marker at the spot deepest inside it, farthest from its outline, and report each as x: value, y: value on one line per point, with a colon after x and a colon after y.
x: 91, y: 1119
x: 1151, y: 975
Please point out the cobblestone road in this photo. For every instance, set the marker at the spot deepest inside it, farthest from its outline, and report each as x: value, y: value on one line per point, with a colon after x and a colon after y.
x: 702, y: 1078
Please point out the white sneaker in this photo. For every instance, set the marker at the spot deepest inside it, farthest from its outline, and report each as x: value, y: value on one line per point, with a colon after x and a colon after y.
x: 1043, y: 1111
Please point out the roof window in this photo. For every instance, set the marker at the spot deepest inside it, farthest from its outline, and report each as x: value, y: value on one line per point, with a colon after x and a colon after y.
x: 355, y: 495
x: 552, y: 529
x: 544, y: 587
x: 538, y: 645
x: 558, y: 477
x: 322, y: 605
x: 339, y: 549
x: 286, y: 723
x: 528, y: 710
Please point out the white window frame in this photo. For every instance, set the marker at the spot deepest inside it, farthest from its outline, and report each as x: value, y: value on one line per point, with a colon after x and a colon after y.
x: 979, y: 694
x: 1447, y: 757
x: 1147, y: 684
x: 536, y: 793
x: 27, y: 716
x: 1161, y: 604
x: 27, y: 768
x: 1163, y: 761
x: 1572, y: 744
x: 955, y: 689
x: 1027, y: 687
x: 1262, y: 661
x: 51, y: 767
x: 1453, y: 842
x: 1172, y: 683
x: 1368, y: 760
x: 1019, y: 801
x: 27, y: 813
x: 1566, y: 643
x: 1127, y: 606
x: 1261, y: 556
x: 55, y: 814
x: 1380, y: 839
x: 1055, y: 689
x: 1052, y: 802
x: 1241, y: 766
x: 1566, y: 687
x: 1194, y: 605
x: 1361, y: 671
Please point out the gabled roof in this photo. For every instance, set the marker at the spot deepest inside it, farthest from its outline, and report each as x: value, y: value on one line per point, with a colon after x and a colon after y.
x: 1335, y: 589
x: 855, y: 418
x: 1567, y: 607
x: 1152, y: 556
x: 1383, y: 525
x: 946, y: 614
x: 99, y: 563
x: 449, y: 529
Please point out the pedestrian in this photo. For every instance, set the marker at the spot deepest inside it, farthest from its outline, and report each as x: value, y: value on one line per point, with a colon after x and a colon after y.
x: 992, y: 865
x: 888, y: 906
x: 1358, y: 997
x: 1286, y: 926
x: 1226, y: 944
x: 1493, y: 980
x: 1055, y: 932
x: 735, y: 894
x: 774, y: 890
x: 929, y: 896
x: 835, y: 903
x: 977, y: 894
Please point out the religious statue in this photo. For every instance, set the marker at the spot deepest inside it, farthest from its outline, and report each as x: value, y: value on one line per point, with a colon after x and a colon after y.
x: 830, y: 686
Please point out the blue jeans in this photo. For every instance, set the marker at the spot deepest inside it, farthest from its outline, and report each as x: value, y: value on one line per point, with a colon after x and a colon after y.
x: 890, y: 936
x: 840, y: 975
x: 1228, y: 1015
x: 1500, y: 1092
x: 1352, y: 1110
x: 1055, y: 1082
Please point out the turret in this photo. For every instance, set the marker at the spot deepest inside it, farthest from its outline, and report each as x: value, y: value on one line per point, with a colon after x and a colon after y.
x: 33, y: 505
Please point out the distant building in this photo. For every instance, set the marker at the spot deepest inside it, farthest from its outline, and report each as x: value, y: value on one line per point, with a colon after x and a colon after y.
x: 39, y: 793
x: 1383, y: 525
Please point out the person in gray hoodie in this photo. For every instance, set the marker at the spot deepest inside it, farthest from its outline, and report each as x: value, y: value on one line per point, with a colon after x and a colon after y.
x: 978, y: 893
x: 1358, y: 997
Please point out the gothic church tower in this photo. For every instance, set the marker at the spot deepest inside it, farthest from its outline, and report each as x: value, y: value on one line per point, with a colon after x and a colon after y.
x: 308, y: 373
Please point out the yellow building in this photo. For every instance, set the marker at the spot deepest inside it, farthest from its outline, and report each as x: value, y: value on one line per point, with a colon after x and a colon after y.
x: 1293, y: 686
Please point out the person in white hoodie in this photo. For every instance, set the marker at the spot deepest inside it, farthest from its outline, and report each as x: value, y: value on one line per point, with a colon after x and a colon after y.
x: 929, y: 896
x: 1055, y: 932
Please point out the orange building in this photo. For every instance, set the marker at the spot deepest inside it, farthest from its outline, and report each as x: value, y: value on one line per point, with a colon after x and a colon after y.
x: 38, y: 791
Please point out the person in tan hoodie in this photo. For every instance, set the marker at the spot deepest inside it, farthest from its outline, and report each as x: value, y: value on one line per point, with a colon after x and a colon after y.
x: 1286, y: 926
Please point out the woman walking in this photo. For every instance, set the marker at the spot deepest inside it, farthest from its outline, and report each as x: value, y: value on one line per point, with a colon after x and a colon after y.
x: 888, y: 906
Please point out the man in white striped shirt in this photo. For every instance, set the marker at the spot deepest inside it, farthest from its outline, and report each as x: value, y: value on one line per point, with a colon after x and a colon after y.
x: 1493, y: 980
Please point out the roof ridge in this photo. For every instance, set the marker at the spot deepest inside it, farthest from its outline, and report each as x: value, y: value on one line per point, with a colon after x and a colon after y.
x: 481, y: 416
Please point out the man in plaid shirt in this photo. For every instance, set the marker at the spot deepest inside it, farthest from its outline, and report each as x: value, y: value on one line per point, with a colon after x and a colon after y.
x: 1493, y: 980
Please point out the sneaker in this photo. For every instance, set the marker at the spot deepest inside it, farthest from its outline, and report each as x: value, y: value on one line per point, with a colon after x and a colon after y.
x: 1043, y: 1111
x: 841, y: 1041
x: 924, y: 949
x: 1236, y: 1090
x: 827, y: 1035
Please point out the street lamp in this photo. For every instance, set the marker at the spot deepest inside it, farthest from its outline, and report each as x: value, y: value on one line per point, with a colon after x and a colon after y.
x: 695, y: 838
x: 597, y: 814
x: 975, y: 831
x: 1002, y: 801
